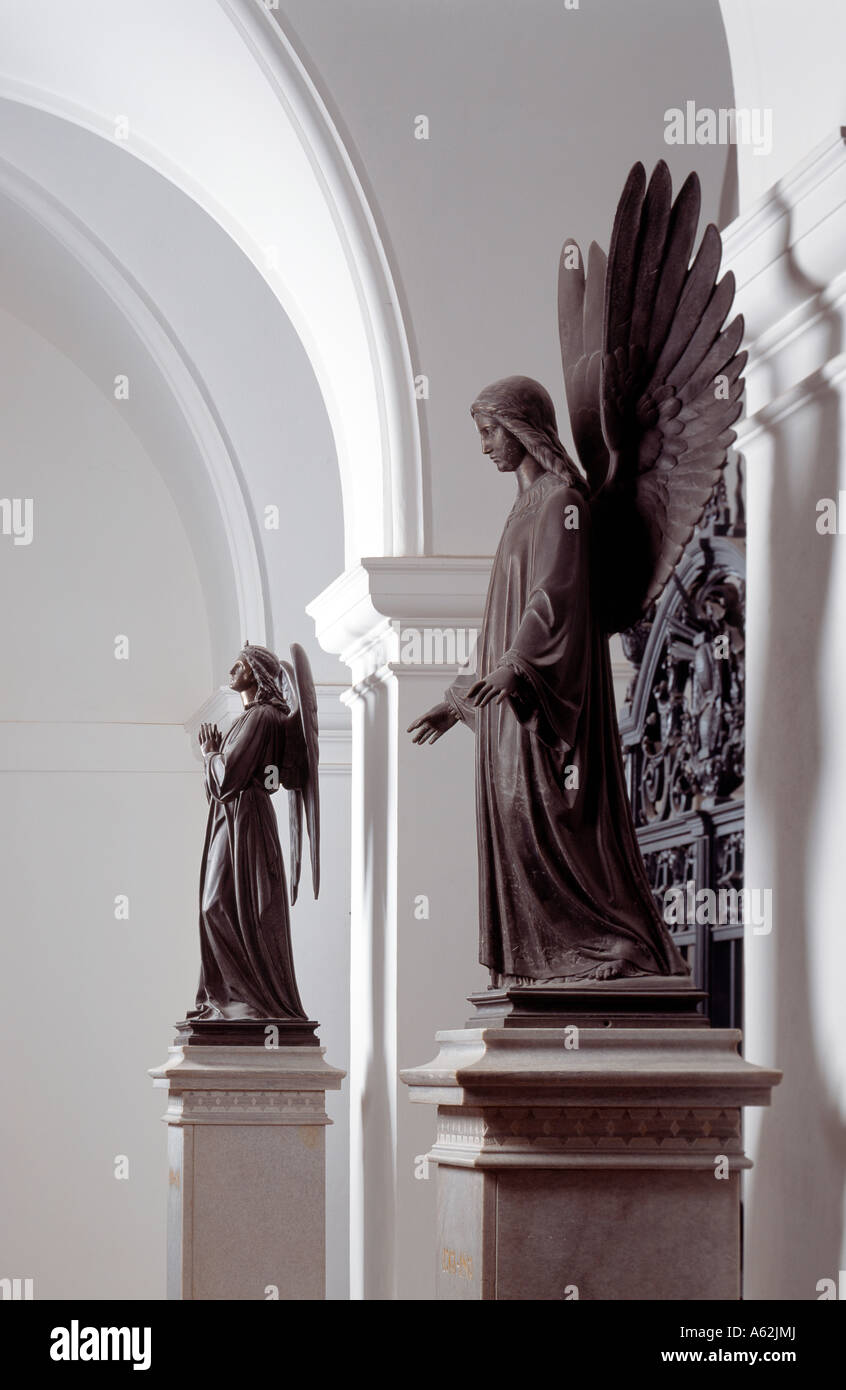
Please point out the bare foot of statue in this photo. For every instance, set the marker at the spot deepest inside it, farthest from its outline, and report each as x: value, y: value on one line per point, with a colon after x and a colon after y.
x: 610, y: 971
x: 499, y: 981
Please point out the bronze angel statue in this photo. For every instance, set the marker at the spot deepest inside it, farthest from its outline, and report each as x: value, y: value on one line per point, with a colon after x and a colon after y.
x: 653, y: 384
x: 247, y: 968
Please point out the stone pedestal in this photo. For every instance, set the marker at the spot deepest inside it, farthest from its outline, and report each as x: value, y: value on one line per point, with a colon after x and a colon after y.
x: 598, y: 1159
x: 246, y: 1211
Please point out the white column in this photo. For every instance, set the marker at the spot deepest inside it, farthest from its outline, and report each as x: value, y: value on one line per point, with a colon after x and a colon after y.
x: 789, y: 255
x: 414, y: 949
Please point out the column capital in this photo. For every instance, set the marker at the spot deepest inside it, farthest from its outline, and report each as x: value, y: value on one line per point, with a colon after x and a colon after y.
x: 361, y: 615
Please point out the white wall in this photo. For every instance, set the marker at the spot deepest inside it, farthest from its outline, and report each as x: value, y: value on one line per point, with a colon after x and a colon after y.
x: 789, y: 60
x: 787, y: 249
x: 237, y: 342
x: 107, y: 563
x: 536, y: 113
x: 211, y: 98
x: 98, y: 797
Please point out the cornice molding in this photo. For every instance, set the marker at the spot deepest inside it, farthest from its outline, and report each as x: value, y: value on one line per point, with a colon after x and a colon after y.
x: 830, y: 377
x: 365, y: 605
x: 807, y: 184
x: 788, y: 255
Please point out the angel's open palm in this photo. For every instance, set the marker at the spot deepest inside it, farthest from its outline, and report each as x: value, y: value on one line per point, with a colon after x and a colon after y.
x: 433, y: 724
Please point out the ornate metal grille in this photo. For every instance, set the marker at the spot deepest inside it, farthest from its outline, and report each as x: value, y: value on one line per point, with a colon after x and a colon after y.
x: 682, y: 728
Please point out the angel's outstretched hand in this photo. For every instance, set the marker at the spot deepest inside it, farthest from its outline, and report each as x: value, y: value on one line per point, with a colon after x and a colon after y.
x: 500, y: 685
x: 433, y: 724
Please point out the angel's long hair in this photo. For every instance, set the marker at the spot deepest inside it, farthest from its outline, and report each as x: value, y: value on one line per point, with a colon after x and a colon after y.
x: 524, y: 408
x: 269, y: 676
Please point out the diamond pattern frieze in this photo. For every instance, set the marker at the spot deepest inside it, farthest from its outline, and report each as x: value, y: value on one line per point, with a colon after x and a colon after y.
x: 592, y: 1128
x: 271, y: 1107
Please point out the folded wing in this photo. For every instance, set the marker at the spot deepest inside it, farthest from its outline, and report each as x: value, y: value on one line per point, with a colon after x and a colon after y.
x: 300, y: 772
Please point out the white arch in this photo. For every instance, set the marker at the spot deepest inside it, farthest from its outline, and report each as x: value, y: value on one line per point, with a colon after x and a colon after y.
x: 239, y: 595
x: 769, y: 50
x: 226, y: 111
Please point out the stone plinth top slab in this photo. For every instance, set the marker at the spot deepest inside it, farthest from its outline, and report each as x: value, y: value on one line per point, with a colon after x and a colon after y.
x: 247, y: 1068
x: 502, y: 1066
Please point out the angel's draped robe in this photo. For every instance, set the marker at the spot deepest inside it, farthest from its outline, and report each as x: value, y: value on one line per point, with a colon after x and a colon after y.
x: 247, y: 968
x: 562, y: 886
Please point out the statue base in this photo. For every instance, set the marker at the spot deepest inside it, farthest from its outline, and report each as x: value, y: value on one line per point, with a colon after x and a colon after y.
x: 247, y: 1032
x: 594, y: 1160
x: 638, y: 1002
x: 246, y: 1207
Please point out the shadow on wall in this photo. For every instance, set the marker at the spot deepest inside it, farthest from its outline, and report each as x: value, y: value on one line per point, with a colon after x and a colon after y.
x: 729, y: 201
x: 795, y: 1213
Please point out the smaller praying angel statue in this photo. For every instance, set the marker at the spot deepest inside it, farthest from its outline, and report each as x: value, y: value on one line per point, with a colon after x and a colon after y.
x: 247, y: 967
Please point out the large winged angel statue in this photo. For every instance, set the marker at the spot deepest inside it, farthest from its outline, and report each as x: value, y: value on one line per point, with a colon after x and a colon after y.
x: 247, y: 967
x: 653, y: 384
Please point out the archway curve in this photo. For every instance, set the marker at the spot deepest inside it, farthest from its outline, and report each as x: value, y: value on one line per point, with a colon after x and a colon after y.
x: 240, y: 596
x: 334, y: 284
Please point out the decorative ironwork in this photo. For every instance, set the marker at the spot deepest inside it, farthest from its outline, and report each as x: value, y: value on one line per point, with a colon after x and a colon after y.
x: 682, y: 727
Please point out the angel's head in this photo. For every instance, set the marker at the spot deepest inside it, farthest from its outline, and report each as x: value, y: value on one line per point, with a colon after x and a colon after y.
x: 259, y: 677
x: 241, y: 678
x: 501, y: 446
x: 516, y: 417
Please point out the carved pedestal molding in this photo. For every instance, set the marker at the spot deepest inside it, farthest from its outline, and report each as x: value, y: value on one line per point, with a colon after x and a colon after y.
x: 246, y: 1209
x: 592, y: 1163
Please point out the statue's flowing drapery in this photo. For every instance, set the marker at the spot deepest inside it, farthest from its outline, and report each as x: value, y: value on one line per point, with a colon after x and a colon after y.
x: 247, y: 968
x: 562, y: 888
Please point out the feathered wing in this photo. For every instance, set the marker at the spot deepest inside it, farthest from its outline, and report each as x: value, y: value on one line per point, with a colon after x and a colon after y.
x: 300, y: 771
x: 666, y: 384
x: 307, y: 697
x: 581, y: 303
x: 295, y: 825
x: 293, y: 774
